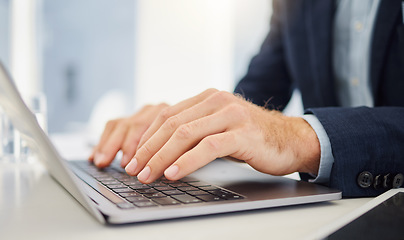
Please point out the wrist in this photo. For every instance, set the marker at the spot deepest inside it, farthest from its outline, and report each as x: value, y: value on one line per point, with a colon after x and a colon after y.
x: 306, y: 146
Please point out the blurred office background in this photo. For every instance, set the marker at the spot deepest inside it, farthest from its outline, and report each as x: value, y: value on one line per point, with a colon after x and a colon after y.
x: 100, y: 59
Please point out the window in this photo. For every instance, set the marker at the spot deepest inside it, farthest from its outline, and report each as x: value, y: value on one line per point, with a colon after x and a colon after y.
x: 115, y: 56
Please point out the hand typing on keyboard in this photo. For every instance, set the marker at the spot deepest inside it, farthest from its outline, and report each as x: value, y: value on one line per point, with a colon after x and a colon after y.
x: 177, y: 140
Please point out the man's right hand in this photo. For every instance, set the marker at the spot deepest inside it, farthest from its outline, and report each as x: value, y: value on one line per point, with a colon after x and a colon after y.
x: 177, y: 140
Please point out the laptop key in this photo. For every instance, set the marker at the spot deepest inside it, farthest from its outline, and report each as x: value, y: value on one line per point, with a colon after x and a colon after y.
x: 188, y: 189
x: 106, y: 179
x: 178, y: 184
x: 198, y: 193
x: 132, y: 183
x: 125, y: 205
x: 137, y: 187
x: 210, y: 198
x: 145, y: 204
x: 122, y: 190
x: 169, y: 181
x: 110, y: 182
x: 137, y: 199
x: 166, y: 201
x: 225, y: 194
x: 188, y: 179
x: 129, y: 194
x: 199, y: 184
x: 123, y: 178
x: 186, y: 198
x: 209, y: 188
x: 99, y: 175
x: 148, y: 190
x: 157, y: 184
x: 155, y: 195
x: 173, y: 192
x: 113, y: 186
x: 165, y: 188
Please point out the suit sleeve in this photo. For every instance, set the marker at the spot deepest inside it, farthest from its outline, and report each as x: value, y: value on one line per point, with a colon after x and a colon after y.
x: 364, y: 140
x: 267, y: 82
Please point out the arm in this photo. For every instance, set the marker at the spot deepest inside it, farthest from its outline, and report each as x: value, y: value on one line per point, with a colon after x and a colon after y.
x: 267, y: 82
x: 363, y: 139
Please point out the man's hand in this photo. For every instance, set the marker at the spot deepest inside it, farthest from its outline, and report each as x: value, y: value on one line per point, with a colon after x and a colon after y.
x: 184, y: 137
x: 124, y: 134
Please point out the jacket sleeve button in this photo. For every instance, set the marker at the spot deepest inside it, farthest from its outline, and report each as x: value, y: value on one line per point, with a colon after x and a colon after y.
x: 398, y: 180
x: 377, y: 183
x: 365, y: 179
x: 387, y: 181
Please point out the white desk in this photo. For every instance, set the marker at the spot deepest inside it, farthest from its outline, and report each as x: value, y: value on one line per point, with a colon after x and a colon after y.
x: 34, y: 206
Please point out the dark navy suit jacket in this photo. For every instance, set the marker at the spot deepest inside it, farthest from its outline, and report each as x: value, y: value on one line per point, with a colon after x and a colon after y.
x: 297, y: 53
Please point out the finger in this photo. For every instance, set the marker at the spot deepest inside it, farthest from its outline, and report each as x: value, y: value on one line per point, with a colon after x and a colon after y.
x: 91, y: 157
x: 215, y: 102
x: 174, y: 110
x: 109, y: 128
x: 130, y: 143
x: 106, y: 154
x: 160, y: 138
x: 185, y: 138
x: 210, y: 148
x: 146, y: 149
x: 140, y: 122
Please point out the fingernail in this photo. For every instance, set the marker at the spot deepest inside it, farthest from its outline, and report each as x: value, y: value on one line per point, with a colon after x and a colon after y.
x: 144, y: 174
x: 131, y: 167
x: 171, y: 171
x: 99, y: 158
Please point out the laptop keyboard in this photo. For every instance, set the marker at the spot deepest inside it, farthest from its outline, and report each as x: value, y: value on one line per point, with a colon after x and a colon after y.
x: 162, y: 192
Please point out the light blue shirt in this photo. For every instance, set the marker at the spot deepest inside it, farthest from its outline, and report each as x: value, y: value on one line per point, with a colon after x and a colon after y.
x: 352, y: 34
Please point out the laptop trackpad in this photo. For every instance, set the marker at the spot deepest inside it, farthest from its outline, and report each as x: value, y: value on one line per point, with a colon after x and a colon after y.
x: 253, y: 184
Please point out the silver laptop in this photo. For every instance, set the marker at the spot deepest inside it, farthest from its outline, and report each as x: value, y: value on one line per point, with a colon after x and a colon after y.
x: 113, y: 197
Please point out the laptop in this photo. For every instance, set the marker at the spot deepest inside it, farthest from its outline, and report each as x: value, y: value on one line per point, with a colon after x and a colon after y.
x: 113, y: 197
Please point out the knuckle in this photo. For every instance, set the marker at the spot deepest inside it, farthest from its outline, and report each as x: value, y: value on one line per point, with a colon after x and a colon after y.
x: 171, y: 123
x: 125, y: 123
x: 158, y: 159
x: 231, y: 137
x: 238, y: 110
x: 134, y: 121
x: 222, y: 96
x: 184, y: 132
x: 210, y: 91
x: 213, y: 144
x: 111, y: 123
x: 163, y: 105
x: 147, y: 106
x: 145, y: 151
x: 164, y: 114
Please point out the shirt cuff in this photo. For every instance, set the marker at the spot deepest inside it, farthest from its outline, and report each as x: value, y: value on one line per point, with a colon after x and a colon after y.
x: 326, y: 159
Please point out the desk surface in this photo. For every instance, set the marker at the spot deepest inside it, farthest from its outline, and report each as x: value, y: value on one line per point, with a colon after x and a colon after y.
x: 34, y: 206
